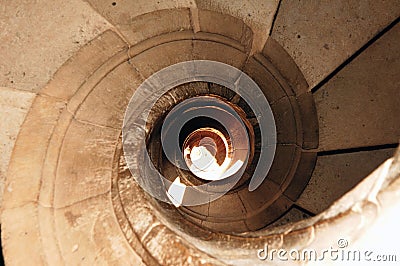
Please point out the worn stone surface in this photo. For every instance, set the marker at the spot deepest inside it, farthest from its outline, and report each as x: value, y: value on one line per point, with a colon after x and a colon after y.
x: 225, y: 25
x: 78, y: 159
x: 287, y: 131
x: 48, y: 235
x: 320, y: 35
x: 309, y: 121
x: 127, y: 15
x: 51, y: 159
x: 360, y: 105
x: 334, y: 175
x: 257, y: 14
x: 88, y: 234
x: 78, y: 68
x: 152, y: 24
x: 163, y: 55
x: 104, y: 103
x: 25, y: 166
x: 264, y: 79
x: 36, y: 38
x: 286, y: 66
x: 302, y: 175
x: 208, y: 50
x: 14, y: 104
x: 85, y: 163
x: 125, y: 12
x: 285, y: 162
x: 255, y: 200
x: 139, y: 20
x: 232, y: 205
x: 23, y: 229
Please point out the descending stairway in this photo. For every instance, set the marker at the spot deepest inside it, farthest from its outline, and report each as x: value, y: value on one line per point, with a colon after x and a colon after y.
x: 314, y: 88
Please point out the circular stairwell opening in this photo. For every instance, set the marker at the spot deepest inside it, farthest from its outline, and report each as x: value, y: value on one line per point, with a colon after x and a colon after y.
x: 215, y: 147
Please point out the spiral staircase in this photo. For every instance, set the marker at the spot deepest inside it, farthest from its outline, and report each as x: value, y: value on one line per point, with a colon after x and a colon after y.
x: 330, y: 76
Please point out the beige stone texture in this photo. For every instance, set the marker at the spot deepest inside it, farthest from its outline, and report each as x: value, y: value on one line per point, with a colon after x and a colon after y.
x: 256, y: 14
x: 25, y: 172
x: 24, y: 228
x: 178, y: 15
x: 153, y: 24
x: 78, y: 68
x: 48, y: 236
x: 122, y: 12
x: 203, y: 50
x: 225, y: 25
x: 69, y: 68
x: 359, y: 106
x: 14, y: 104
x: 302, y: 176
x: 320, y: 35
x: 160, y: 56
x: 140, y: 20
x: 51, y: 160
x: 335, y: 175
x: 88, y: 234
x: 37, y: 37
x: 264, y: 79
x: 285, y: 120
x: 104, y: 103
x: 85, y: 163
x: 285, y: 65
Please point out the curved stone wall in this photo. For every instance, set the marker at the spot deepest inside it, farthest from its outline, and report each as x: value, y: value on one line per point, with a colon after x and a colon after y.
x: 70, y: 199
